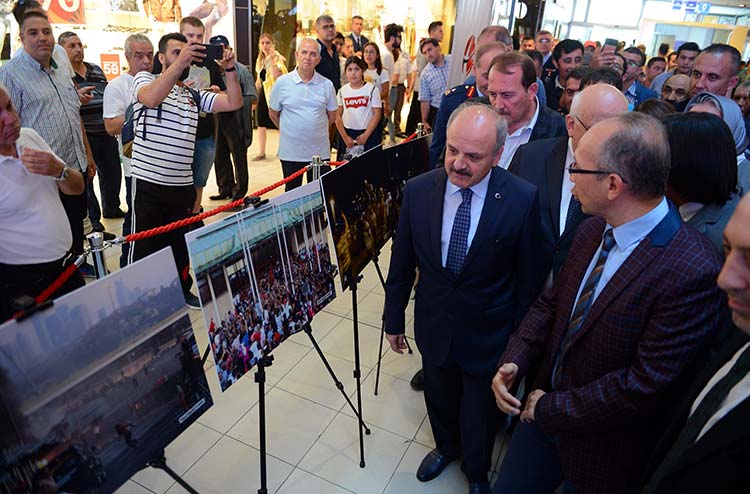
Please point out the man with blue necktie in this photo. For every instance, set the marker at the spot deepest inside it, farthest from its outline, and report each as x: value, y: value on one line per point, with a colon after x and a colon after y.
x: 474, y: 232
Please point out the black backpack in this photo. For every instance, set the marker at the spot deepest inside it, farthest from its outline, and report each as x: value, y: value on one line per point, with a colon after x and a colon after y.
x: 131, y: 119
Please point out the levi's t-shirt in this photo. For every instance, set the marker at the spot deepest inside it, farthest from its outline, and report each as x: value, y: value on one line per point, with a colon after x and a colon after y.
x: 358, y: 105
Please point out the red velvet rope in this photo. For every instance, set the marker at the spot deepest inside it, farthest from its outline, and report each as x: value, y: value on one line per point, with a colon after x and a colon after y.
x: 65, y: 276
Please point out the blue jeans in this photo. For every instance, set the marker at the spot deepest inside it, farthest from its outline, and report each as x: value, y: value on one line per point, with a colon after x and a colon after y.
x: 202, y: 160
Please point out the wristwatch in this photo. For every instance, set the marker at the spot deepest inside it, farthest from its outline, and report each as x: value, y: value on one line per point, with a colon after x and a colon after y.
x: 63, y: 175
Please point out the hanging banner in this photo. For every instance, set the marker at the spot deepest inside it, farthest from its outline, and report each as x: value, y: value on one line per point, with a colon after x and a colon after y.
x: 65, y: 11
x: 471, y: 17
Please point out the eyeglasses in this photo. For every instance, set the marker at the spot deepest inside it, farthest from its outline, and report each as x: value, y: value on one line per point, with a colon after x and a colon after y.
x: 573, y: 169
x: 544, y: 40
x: 586, y: 127
x: 632, y: 63
x: 328, y: 26
x: 617, y: 66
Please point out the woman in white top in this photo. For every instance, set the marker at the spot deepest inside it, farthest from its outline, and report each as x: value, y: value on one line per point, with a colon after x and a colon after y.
x: 376, y: 74
x: 269, y: 66
x: 359, y: 110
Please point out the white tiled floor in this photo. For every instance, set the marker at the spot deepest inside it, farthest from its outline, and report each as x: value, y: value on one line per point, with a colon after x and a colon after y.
x: 313, y: 442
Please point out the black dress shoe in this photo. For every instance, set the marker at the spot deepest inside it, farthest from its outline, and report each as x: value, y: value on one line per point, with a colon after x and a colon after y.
x: 479, y: 487
x: 119, y: 213
x: 417, y: 382
x: 220, y: 197
x: 432, y: 465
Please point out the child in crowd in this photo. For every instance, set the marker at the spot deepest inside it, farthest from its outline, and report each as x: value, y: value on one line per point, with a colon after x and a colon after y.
x: 360, y: 110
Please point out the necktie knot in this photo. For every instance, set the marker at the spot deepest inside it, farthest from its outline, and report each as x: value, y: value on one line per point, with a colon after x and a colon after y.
x: 466, y: 195
x: 609, y: 240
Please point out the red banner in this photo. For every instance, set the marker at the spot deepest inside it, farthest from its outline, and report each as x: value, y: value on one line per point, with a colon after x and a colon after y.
x: 65, y: 11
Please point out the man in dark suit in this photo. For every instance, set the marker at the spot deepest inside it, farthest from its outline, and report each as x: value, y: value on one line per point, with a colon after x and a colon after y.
x: 512, y: 91
x: 706, y: 447
x: 473, y: 231
x: 545, y: 164
x: 618, y: 331
x: 358, y: 40
x: 454, y: 97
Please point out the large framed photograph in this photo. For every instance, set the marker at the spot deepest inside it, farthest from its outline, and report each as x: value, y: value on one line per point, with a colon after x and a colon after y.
x: 363, y: 198
x: 262, y: 276
x: 96, y: 386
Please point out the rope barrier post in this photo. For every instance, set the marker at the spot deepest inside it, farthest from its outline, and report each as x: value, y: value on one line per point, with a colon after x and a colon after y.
x: 316, y: 163
x: 420, y: 129
x: 96, y: 243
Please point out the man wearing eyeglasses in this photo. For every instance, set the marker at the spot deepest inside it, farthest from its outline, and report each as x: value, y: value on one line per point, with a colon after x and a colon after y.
x: 621, y: 328
x: 634, y: 91
x: 544, y: 45
x: 545, y: 164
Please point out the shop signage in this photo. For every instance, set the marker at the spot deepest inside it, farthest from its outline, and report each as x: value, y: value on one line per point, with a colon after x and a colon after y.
x: 676, y: 4
x: 704, y: 7
x: 111, y: 65
x: 65, y: 11
x: 690, y: 6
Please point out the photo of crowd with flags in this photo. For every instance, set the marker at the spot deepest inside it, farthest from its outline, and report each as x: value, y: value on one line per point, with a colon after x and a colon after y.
x: 262, y: 275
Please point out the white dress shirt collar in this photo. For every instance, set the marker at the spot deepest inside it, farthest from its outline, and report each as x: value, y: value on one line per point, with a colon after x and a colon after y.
x: 690, y: 209
x: 479, y: 189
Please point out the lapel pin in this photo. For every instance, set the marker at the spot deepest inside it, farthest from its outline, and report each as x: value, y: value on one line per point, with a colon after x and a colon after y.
x: 497, y: 195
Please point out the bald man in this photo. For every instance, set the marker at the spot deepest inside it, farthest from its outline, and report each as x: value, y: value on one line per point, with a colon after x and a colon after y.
x: 545, y: 164
x: 473, y: 231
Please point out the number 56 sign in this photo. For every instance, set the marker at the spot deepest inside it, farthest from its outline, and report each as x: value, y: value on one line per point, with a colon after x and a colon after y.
x: 65, y: 11
x: 111, y: 65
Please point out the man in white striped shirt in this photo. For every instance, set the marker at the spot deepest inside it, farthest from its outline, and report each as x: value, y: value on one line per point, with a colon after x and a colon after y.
x: 166, y: 116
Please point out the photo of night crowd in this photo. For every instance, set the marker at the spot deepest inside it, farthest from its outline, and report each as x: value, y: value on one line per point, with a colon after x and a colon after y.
x: 363, y: 198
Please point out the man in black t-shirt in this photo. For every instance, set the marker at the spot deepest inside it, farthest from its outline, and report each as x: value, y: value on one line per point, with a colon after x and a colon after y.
x: 103, y: 146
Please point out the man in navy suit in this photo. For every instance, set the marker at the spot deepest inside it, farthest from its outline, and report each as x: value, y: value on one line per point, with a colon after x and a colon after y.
x: 634, y: 91
x: 706, y: 447
x: 545, y: 164
x: 621, y: 329
x: 473, y: 231
x: 358, y: 40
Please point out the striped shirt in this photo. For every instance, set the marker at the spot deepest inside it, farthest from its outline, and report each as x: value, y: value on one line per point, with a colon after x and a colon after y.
x: 47, y: 101
x: 433, y: 82
x: 163, y: 147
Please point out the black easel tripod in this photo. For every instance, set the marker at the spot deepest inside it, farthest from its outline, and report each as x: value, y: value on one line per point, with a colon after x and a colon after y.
x: 382, y: 327
x: 160, y: 462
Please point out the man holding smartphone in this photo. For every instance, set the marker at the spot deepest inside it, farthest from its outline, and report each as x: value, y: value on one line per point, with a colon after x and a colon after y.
x: 162, y: 163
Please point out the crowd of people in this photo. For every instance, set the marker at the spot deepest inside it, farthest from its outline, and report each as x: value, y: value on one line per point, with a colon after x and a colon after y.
x: 287, y: 299
x: 585, y: 199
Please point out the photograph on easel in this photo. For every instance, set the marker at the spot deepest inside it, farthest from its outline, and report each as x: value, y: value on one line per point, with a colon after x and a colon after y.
x: 95, y: 386
x: 362, y: 199
x: 262, y: 275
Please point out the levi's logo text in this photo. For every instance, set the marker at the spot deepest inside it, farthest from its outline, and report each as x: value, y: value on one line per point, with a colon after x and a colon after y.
x: 356, y: 102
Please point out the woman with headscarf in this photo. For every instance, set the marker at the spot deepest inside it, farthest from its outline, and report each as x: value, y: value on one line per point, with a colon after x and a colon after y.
x: 703, y: 173
x: 730, y: 112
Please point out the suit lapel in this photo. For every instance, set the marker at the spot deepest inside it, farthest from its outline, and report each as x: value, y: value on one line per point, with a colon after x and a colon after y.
x: 540, y: 128
x: 555, y: 170
x: 490, y: 217
x: 708, y: 215
x: 435, y: 216
x: 648, y: 250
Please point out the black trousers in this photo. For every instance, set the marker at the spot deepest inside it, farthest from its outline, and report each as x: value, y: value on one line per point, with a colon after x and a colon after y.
x: 415, y: 114
x: 156, y: 205
x: 463, y: 415
x: 290, y: 167
x: 230, y: 147
x: 31, y: 280
x: 107, y: 158
x: 75, y: 209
